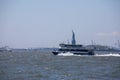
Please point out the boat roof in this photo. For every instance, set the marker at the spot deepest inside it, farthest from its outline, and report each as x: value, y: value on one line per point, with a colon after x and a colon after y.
x: 70, y: 45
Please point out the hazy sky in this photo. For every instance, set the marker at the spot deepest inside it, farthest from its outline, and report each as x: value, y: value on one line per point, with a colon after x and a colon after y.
x: 46, y: 23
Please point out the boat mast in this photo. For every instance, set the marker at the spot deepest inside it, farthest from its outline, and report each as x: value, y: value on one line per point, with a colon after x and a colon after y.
x: 73, y: 38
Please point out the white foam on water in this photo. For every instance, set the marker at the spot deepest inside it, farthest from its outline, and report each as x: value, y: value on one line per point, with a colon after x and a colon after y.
x: 71, y: 54
x: 110, y: 54
x: 66, y: 54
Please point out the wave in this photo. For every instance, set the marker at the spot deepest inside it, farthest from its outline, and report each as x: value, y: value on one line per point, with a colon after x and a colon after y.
x: 66, y: 54
x: 108, y: 54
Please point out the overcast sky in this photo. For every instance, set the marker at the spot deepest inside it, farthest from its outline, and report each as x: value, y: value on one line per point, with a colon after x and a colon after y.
x: 46, y: 23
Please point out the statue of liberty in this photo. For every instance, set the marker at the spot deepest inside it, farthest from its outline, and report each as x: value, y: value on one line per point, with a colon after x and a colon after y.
x: 73, y: 38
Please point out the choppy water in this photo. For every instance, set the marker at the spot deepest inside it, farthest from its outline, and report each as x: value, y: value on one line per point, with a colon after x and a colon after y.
x: 32, y: 65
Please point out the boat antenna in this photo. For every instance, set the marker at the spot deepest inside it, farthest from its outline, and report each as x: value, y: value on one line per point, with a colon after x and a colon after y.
x: 68, y: 42
x: 93, y: 45
x: 92, y: 42
x: 118, y: 43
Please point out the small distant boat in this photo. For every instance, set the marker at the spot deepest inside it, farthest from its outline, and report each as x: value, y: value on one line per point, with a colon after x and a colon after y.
x: 73, y: 48
x: 6, y: 48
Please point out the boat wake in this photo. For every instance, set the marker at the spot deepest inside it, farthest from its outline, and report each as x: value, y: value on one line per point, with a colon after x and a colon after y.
x: 66, y: 54
x: 110, y: 54
x: 71, y: 54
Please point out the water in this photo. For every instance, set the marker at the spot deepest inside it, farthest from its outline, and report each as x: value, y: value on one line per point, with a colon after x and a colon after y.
x: 33, y: 65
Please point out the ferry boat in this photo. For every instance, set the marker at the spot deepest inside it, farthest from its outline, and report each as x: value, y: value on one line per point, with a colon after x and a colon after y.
x: 73, y: 48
